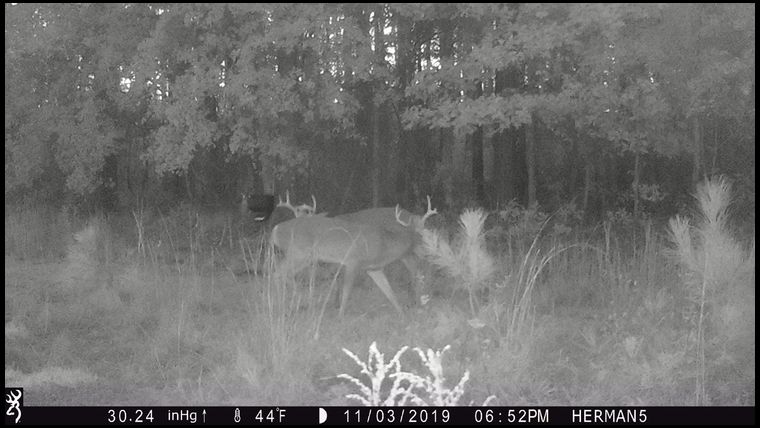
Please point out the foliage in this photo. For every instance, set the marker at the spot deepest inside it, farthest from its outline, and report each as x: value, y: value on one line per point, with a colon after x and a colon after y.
x: 407, y: 387
x: 718, y: 277
x: 141, y: 100
x: 467, y: 260
x: 517, y: 222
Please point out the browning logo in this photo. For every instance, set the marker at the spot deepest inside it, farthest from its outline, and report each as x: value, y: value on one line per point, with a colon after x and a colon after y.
x: 14, y: 399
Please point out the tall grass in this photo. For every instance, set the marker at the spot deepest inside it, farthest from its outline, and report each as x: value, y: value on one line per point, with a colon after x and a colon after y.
x: 594, y: 316
x: 35, y: 232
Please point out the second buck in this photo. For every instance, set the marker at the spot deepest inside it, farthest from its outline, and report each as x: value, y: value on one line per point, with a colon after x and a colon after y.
x: 359, y: 247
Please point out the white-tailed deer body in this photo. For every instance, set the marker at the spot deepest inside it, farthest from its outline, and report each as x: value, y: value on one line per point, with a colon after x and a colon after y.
x: 360, y: 248
x: 385, y: 218
x: 382, y: 217
x: 365, y: 241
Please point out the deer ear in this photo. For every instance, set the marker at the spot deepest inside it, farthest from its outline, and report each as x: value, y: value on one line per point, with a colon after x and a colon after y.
x: 398, y: 218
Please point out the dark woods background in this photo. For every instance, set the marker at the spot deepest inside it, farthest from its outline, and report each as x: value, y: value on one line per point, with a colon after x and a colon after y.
x: 599, y: 107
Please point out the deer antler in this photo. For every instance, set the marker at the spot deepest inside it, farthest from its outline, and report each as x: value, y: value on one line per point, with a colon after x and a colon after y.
x: 419, y: 222
x: 301, y: 210
x: 307, y: 210
x: 428, y: 213
x: 287, y: 204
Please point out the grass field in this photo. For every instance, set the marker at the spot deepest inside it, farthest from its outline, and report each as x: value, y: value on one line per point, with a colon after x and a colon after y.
x: 181, y: 308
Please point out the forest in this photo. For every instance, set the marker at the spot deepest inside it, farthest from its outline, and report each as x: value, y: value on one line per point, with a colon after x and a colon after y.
x: 579, y: 180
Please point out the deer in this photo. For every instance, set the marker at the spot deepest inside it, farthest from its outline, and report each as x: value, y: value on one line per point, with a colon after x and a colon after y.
x: 391, y: 219
x: 260, y: 205
x: 356, y: 246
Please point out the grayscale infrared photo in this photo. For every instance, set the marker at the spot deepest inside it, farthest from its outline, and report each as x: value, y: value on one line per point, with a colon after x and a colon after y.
x: 374, y: 213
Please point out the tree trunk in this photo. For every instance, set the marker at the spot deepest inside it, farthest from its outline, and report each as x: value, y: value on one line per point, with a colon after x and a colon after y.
x: 375, y: 155
x: 697, y: 135
x: 530, y: 160
x: 576, y: 158
x: 635, y: 186
x: 477, y: 164
x: 446, y: 136
x: 477, y: 154
x: 448, y: 164
x: 379, y: 24
x: 505, y: 143
x: 714, y: 162
x: 587, y: 185
x: 502, y: 179
x: 266, y: 175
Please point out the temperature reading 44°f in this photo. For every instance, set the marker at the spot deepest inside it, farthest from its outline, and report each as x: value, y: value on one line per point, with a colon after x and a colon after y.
x: 275, y: 415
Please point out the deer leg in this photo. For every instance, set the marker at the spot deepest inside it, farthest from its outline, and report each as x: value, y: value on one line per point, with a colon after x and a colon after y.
x: 379, y: 277
x: 349, y: 275
x: 292, y: 264
x: 410, y: 261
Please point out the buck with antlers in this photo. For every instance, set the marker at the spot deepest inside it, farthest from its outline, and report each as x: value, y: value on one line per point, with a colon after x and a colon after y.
x: 404, y: 225
x: 365, y: 241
